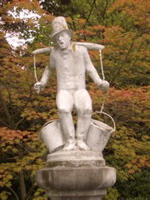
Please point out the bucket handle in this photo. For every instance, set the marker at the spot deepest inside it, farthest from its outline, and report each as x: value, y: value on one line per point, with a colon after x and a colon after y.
x: 53, y: 120
x: 101, y: 112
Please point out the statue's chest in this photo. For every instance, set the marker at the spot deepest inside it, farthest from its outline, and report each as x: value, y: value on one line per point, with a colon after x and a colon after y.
x: 70, y: 62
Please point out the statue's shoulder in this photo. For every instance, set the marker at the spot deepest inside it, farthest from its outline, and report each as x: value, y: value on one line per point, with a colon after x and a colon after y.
x: 76, y: 47
x: 54, y: 50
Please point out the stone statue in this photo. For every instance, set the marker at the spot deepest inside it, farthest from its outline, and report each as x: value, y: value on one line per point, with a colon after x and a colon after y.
x: 71, y: 62
x: 70, y: 173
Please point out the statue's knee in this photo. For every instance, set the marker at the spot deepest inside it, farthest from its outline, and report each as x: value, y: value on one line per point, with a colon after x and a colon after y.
x: 64, y: 111
x: 87, y: 111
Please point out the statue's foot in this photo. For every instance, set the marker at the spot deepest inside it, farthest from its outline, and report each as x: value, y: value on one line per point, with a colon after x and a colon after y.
x: 81, y: 145
x: 69, y: 146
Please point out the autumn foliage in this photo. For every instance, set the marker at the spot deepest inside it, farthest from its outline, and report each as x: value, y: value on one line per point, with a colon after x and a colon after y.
x: 122, y: 26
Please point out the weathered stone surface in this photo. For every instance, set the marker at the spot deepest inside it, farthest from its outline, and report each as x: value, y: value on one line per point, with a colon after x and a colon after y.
x: 75, y: 158
x: 76, y: 178
x: 77, y: 195
x: 98, y: 135
x: 75, y: 169
x: 71, y: 62
x: 52, y: 135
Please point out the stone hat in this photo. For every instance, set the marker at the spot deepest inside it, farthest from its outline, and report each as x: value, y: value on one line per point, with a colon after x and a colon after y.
x: 59, y: 24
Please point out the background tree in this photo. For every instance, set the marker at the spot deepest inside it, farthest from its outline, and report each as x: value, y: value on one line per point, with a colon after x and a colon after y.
x: 122, y: 26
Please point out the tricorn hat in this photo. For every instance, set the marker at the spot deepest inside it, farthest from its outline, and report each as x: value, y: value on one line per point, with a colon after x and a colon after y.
x: 59, y: 24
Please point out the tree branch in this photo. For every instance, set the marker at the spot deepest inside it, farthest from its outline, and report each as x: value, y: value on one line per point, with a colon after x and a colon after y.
x: 124, y: 61
x: 30, y: 191
x: 3, y: 122
x: 15, y: 194
x: 104, y: 10
x: 23, y: 107
x: 5, y: 109
x: 9, y: 94
x: 91, y: 10
x: 136, y: 59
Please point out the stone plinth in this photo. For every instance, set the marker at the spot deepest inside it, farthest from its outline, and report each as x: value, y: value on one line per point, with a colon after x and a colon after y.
x: 75, y: 158
x: 77, y: 195
x: 76, y: 175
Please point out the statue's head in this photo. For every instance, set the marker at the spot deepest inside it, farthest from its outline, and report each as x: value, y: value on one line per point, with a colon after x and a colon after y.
x: 59, y: 25
x: 63, y: 40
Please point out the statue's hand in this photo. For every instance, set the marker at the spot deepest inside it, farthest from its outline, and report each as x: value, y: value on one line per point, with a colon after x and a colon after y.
x: 104, y: 86
x: 38, y: 87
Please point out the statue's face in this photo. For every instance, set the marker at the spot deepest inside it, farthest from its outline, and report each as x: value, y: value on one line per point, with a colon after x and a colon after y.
x: 63, y: 40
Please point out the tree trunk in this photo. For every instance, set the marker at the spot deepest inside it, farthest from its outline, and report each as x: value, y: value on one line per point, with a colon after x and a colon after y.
x: 22, y: 185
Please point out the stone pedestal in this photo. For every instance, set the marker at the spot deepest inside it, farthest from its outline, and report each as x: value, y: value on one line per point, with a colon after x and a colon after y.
x: 76, y: 175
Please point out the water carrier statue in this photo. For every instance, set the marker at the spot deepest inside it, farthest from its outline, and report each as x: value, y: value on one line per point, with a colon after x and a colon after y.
x: 75, y: 168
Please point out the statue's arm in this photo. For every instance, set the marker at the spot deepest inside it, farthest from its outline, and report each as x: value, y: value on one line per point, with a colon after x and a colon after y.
x: 48, y: 70
x: 90, y: 69
x: 92, y: 72
x: 45, y: 76
x: 38, y: 86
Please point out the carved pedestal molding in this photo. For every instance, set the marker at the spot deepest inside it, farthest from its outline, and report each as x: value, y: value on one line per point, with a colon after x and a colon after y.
x: 76, y: 175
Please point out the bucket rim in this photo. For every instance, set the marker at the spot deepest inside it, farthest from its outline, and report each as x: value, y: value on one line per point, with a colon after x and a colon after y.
x: 104, y: 113
x: 51, y: 121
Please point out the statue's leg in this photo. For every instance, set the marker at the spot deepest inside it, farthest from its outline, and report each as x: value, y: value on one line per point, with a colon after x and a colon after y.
x: 83, y: 104
x: 65, y: 105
